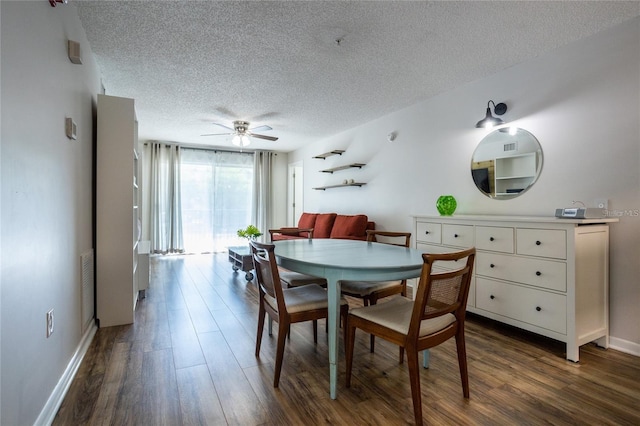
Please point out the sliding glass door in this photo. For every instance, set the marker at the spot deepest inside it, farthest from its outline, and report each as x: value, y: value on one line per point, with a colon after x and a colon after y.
x: 216, y: 192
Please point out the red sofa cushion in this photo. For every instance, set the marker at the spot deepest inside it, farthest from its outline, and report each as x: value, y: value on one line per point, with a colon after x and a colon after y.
x: 349, y: 226
x: 307, y: 220
x: 324, y: 224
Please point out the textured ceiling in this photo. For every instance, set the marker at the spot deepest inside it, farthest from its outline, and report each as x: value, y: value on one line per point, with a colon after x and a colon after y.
x: 189, y: 64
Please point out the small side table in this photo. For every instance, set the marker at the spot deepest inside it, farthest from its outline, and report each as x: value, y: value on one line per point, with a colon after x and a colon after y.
x: 240, y: 258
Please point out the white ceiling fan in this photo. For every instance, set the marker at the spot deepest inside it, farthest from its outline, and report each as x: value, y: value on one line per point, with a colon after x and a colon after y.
x: 241, y: 133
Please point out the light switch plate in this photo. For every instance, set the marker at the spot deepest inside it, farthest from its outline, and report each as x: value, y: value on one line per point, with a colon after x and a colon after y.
x: 70, y: 128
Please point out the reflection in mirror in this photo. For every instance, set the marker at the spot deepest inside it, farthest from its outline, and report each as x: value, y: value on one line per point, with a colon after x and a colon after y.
x: 506, y: 163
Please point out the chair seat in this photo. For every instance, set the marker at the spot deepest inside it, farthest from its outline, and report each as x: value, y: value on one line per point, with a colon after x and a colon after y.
x: 295, y: 279
x: 303, y: 298
x: 365, y: 288
x: 395, y: 314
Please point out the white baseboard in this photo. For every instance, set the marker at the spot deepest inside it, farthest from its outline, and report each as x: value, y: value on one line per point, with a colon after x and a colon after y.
x: 624, y: 346
x: 54, y: 402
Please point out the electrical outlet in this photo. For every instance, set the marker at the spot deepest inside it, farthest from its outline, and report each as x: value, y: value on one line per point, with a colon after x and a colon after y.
x: 601, y: 203
x: 49, y: 323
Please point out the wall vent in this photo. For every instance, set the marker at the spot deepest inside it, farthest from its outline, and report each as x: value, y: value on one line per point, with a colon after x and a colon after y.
x: 88, y: 289
x: 510, y: 147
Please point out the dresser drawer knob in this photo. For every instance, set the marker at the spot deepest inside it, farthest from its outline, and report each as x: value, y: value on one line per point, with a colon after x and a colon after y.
x: 538, y: 273
x: 492, y: 266
x: 492, y: 297
x: 538, y: 308
x: 426, y: 232
x: 538, y: 243
x: 491, y: 238
x: 455, y: 235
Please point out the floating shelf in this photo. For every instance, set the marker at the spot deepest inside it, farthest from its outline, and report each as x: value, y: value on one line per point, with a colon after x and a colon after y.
x: 347, y: 166
x: 329, y: 154
x: 322, y: 188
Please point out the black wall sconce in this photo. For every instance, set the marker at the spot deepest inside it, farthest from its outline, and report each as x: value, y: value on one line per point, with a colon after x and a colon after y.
x: 490, y: 121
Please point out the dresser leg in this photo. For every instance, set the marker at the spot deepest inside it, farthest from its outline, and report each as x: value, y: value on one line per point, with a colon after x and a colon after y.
x: 603, y: 342
x: 573, y: 352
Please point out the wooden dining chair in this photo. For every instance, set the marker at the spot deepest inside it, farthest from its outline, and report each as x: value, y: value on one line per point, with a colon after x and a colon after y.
x: 286, y: 305
x: 370, y: 292
x: 292, y: 278
x: 436, y: 315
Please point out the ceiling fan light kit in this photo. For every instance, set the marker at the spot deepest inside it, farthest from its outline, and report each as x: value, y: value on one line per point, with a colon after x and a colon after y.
x: 240, y: 140
x: 489, y: 120
x: 241, y: 133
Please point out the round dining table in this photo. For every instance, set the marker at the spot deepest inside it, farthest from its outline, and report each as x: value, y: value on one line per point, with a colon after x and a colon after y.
x: 338, y: 259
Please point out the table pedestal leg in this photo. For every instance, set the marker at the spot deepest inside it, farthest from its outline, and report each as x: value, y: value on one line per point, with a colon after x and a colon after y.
x: 333, y: 289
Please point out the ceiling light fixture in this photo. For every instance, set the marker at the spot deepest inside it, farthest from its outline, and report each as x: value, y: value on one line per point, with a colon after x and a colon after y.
x: 489, y: 121
x: 241, y: 140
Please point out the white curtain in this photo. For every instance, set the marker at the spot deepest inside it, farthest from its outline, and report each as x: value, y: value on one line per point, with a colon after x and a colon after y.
x: 262, y: 199
x: 216, y: 198
x: 166, y: 220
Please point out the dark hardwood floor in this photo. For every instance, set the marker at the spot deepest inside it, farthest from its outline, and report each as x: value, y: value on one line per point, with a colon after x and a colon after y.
x: 189, y: 360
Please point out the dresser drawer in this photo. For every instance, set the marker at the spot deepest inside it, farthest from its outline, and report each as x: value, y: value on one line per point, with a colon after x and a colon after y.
x: 457, y: 235
x: 542, y: 242
x: 535, y: 307
x: 537, y: 272
x: 429, y: 232
x: 494, y: 238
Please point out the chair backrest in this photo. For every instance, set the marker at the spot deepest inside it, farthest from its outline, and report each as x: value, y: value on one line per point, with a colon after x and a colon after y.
x: 440, y: 293
x: 267, y: 275
x: 394, y: 236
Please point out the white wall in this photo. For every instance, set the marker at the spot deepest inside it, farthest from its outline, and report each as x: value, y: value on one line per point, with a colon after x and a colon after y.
x: 582, y: 102
x: 46, y: 220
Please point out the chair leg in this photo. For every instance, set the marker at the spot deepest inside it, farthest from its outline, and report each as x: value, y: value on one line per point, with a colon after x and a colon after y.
x: 414, y: 379
x: 282, y: 338
x: 372, y: 338
x: 349, y: 337
x: 462, y: 361
x: 315, y: 331
x: 261, y: 314
x: 401, y: 354
x: 344, y: 312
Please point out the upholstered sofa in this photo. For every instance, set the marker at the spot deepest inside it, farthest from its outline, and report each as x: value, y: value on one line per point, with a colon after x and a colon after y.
x: 326, y: 225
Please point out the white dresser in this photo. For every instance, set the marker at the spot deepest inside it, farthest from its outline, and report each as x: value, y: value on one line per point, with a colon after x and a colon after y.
x: 543, y: 274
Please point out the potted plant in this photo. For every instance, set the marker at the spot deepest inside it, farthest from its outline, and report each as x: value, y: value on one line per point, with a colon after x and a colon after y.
x: 251, y: 232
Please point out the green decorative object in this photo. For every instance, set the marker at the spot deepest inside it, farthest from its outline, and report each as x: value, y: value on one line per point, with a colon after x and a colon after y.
x: 446, y: 205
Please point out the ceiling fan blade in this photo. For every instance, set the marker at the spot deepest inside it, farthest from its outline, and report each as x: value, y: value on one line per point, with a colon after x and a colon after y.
x: 261, y: 128
x: 217, y: 134
x: 223, y: 126
x: 269, y: 138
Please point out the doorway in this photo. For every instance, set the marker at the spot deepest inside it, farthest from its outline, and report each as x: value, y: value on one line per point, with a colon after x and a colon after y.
x: 294, y: 193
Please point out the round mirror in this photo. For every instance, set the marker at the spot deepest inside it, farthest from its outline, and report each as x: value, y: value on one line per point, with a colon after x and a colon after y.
x: 506, y: 163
